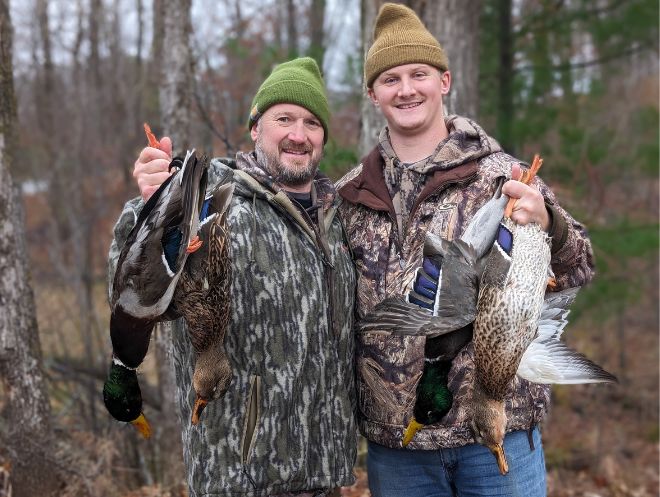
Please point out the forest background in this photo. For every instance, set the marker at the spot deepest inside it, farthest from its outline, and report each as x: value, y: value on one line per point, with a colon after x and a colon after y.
x: 575, y: 80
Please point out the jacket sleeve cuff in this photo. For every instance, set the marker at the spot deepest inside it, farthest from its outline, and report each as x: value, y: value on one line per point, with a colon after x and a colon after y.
x: 558, y: 228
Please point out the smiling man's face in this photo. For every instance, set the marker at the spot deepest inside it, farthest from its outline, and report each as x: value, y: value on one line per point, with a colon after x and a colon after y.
x: 410, y: 97
x: 289, y: 144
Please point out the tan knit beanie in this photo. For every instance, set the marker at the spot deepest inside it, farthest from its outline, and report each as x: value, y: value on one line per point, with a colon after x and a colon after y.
x: 401, y: 38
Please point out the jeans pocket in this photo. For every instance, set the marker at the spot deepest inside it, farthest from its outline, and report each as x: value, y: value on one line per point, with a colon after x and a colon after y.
x: 388, y: 370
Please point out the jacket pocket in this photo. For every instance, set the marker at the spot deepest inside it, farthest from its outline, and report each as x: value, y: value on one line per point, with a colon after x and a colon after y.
x: 388, y: 370
x: 252, y: 415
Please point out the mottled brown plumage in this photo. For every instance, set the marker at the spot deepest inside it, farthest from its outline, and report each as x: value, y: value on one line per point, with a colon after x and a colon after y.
x: 203, y: 299
x: 510, y: 299
x: 518, y: 328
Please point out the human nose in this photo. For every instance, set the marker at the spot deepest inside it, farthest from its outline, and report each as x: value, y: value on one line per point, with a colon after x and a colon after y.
x: 406, y: 89
x: 297, y: 132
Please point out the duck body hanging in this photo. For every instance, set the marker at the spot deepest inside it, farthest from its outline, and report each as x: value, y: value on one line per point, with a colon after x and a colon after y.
x: 148, y: 269
x: 202, y: 297
x: 518, y: 327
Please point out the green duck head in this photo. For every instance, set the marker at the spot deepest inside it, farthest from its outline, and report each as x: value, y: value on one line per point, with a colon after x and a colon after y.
x: 123, y: 399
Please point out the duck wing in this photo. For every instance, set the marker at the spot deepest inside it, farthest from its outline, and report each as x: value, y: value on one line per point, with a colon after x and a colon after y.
x: 203, y: 294
x: 548, y: 359
x: 456, y: 302
x: 148, y: 269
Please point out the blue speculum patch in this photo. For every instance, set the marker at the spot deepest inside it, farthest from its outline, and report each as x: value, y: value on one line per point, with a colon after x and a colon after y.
x: 205, y: 209
x: 505, y: 239
x: 413, y: 300
x: 431, y: 269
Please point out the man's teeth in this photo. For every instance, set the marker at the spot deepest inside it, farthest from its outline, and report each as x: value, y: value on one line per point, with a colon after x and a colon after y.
x: 409, y: 106
x: 296, y: 152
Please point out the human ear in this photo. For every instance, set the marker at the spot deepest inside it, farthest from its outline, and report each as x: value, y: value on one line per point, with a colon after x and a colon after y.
x: 372, y: 96
x: 445, y: 82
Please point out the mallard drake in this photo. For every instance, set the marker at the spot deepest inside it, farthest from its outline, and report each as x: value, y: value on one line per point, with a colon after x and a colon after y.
x: 148, y: 269
x: 511, y: 306
x: 202, y: 298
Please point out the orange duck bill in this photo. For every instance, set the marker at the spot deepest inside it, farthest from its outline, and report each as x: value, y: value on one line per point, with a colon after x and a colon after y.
x: 142, y: 425
x: 199, y: 406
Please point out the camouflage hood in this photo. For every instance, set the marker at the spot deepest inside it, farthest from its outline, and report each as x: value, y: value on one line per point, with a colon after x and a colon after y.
x: 286, y: 424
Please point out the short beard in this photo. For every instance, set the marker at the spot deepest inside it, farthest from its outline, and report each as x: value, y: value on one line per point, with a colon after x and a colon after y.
x: 281, y: 173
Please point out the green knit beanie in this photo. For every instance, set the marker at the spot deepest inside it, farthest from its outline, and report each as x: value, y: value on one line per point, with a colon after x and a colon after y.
x: 401, y: 38
x: 297, y: 82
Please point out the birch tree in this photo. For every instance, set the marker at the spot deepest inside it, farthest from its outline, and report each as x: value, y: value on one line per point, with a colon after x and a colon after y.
x: 26, y: 428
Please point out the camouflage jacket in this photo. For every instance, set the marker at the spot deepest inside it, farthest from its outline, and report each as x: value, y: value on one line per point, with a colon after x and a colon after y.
x: 460, y: 177
x: 287, y: 422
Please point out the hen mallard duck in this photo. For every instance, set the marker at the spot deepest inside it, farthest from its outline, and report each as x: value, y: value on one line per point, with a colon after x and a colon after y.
x: 148, y: 269
x: 202, y: 298
x: 443, y: 309
x: 517, y: 329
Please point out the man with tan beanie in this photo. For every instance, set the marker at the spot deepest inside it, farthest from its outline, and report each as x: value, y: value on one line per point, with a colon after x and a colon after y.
x: 430, y: 173
x: 285, y: 426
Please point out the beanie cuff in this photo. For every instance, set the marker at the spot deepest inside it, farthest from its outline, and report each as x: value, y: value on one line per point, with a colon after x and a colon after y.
x: 288, y: 92
x: 400, y: 54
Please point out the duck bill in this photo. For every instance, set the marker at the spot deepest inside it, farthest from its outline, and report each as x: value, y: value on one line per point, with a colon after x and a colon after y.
x: 142, y: 425
x: 412, y: 428
x: 199, y: 406
x: 498, y: 452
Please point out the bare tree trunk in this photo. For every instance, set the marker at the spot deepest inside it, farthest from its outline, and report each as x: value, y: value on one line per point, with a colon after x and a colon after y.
x: 316, y: 35
x: 455, y: 24
x: 372, y: 120
x: 177, y: 78
x: 292, y: 28
x: 28, y: 433
x: 176, y: 103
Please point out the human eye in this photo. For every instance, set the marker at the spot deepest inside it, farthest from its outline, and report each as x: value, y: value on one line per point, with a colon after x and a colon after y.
x: 313, y: 123
x: 420, y: 75
x: 283, y: 119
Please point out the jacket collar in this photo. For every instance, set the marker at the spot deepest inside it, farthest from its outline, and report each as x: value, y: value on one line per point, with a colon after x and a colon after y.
x: 323, y: 190
x: 368, y: 188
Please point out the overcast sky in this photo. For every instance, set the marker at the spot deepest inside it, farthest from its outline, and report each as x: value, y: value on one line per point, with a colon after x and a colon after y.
x: 209, y: 23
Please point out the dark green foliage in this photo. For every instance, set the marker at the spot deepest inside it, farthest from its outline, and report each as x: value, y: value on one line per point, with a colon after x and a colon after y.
x: 337, y: 159
x: 621, y: 252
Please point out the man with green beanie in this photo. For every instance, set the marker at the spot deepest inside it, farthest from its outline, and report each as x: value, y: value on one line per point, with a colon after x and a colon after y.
x: 430, y: 173
x: 286, y: 425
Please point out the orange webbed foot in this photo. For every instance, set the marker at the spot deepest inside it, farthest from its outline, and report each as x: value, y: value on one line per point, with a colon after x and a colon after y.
x: 526, y: 177
x: 151, y: 138
x: 194, y: 245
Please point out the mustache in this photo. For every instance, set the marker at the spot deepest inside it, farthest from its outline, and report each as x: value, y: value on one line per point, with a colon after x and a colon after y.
x: 295, y: 147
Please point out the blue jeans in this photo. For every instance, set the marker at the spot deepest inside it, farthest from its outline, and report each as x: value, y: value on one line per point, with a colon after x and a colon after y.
x: 467, y: 471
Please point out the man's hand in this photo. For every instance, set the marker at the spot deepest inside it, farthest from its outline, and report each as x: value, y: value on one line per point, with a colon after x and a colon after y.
x: 530, y: 206
x: 151, y: 167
